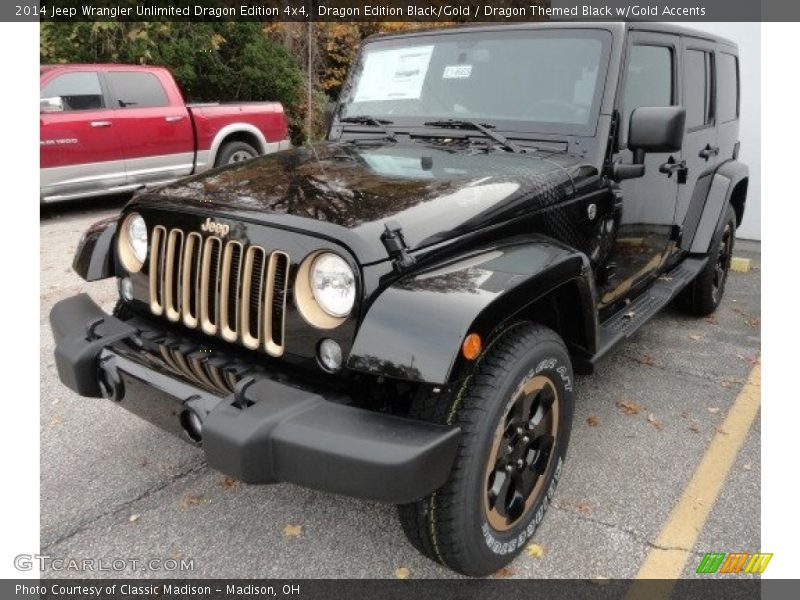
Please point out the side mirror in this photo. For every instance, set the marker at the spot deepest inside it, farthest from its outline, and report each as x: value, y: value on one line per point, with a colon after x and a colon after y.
x: 52, y: 104
x: 656, y: 129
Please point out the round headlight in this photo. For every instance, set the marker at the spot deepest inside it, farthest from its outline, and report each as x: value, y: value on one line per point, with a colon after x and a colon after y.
x: 333, y: 284
x: 133, y: 242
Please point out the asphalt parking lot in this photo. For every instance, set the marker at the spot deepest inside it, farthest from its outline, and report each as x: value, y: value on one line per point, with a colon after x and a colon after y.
x: 113, y: 486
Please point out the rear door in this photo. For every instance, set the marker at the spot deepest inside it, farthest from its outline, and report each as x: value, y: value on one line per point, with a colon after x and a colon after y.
x: 701, y: 150
x: 648, y: 202
x: 79, y: 147
x: 156, y: 131
x: 728, y: 99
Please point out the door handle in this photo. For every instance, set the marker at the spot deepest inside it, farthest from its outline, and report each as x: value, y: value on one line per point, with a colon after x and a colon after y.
x: 174, y: 119
x: 100, y: 123
x: 673, y: 166
x: 708, y: 151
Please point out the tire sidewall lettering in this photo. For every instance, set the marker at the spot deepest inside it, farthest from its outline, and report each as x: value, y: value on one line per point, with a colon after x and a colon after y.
x: 557, y: 370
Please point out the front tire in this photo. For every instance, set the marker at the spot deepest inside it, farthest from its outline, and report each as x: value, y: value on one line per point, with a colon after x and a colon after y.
x: 703, y: 295
x: 515, y: 414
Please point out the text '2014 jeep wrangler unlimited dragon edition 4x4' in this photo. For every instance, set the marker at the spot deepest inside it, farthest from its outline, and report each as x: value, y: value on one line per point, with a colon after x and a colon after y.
x: 397, y: 313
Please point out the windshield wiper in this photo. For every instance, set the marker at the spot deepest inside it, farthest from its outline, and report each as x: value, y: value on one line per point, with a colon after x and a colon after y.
x: 484, y: 128
x: 382, y: 124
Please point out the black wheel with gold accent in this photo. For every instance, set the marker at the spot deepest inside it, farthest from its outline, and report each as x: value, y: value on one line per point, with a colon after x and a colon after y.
x: 704, y: 294
x: 515, y: 412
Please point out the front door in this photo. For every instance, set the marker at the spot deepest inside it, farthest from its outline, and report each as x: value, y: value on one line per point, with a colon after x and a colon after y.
x: 79, y: 146
x: 156, y: 132
x: 647, y: 203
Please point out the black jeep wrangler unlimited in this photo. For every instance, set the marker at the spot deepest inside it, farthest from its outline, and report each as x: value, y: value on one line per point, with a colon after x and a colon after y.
x: 397, y: 313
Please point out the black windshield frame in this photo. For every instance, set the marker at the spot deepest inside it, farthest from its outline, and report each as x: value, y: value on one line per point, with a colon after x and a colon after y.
x: 521, y: 127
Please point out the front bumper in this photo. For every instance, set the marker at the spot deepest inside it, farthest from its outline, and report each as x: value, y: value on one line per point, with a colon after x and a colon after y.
x: 267, y: 430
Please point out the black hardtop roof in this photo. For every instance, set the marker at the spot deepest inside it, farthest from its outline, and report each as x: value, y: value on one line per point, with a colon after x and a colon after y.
x: 615, y: 27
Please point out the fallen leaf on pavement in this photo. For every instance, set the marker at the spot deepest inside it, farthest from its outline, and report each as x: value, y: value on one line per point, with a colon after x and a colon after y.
x: 747, y: 467
x: 754, y: 322
x: 292, y: 531
x: 654, y: 422
x: 229, y: 483
x: 694, y: 337
x: 721, y: 431
x: 646, y: 360
x: 713, y: 409
x: 694, y: 427
x: 134, y: 518
x: 191, y: 500
x: 534, y: 550
x: 593, y: 421
x: 752, y: 360
x: 503, y: 573
x: 629, y: 407
x: 402, y: 573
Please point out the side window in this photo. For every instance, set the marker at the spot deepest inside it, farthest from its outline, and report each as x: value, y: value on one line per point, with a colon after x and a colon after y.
x: 648, y: 80
x: 137, y: 90
x: 78, y: 90
x: 697, y: 89
x: 728, y: 86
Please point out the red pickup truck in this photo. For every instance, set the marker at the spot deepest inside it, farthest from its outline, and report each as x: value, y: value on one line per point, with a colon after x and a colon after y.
x: 114, y: 128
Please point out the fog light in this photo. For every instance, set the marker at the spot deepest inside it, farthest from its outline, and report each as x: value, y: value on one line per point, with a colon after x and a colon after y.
x: 126, y: 288
x: 330, y: 355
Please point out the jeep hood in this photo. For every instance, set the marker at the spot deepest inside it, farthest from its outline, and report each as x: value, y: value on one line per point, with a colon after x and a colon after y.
x: 348, y: 192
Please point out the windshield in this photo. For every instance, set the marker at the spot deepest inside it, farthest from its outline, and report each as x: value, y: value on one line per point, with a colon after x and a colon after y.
x: 522, y: 80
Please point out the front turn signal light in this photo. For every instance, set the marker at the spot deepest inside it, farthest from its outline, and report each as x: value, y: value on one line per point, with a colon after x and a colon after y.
x: 472, y: 346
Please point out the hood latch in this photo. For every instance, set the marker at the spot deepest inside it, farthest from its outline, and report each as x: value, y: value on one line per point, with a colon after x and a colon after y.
x: 395, y: 243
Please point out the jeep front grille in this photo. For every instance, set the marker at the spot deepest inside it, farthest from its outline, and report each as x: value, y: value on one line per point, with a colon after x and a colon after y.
x: 226, y: 289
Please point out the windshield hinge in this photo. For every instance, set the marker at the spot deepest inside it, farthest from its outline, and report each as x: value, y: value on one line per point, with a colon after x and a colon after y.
x: 395, y: 244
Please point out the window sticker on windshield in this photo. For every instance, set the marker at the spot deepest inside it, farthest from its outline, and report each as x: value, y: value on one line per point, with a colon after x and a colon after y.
x: 457, y: 72
x: 394, y: 74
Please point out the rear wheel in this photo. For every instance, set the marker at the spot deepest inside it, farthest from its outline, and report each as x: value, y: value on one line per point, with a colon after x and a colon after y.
x: 703, y: 295
x: 235, y: 152
x: 515, y: 414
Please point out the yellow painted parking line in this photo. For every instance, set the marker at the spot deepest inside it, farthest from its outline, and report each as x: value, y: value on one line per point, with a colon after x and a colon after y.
x: 740, y: 265
x: 678, y: 536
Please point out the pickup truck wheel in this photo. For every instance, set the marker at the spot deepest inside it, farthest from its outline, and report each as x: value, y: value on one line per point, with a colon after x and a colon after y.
x: 515, y: 413
x: 234, y: 152
x: 703, y: 295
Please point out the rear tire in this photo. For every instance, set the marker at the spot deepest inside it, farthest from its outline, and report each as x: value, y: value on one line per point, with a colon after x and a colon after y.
x: 704, y: 294
x: 515, y: 414
x: 234, y: 152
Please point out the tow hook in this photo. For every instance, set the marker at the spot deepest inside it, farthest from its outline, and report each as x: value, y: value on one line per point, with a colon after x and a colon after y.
x: 110, y: 383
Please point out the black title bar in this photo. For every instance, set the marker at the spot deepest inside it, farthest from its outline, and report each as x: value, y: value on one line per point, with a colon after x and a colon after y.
x: 465, y: 11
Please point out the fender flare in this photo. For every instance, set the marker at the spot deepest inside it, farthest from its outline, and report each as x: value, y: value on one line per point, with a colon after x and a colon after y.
x: 231, y: 129
x: 415, y: 328
x: 94, y: 257
x: 711, y: 197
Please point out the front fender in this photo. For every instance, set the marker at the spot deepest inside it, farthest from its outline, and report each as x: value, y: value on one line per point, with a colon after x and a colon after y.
x: 415, y: 328
x: 94, y: 258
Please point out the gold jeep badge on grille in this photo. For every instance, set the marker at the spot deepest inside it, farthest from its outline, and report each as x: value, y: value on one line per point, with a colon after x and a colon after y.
x: 213, y: 227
